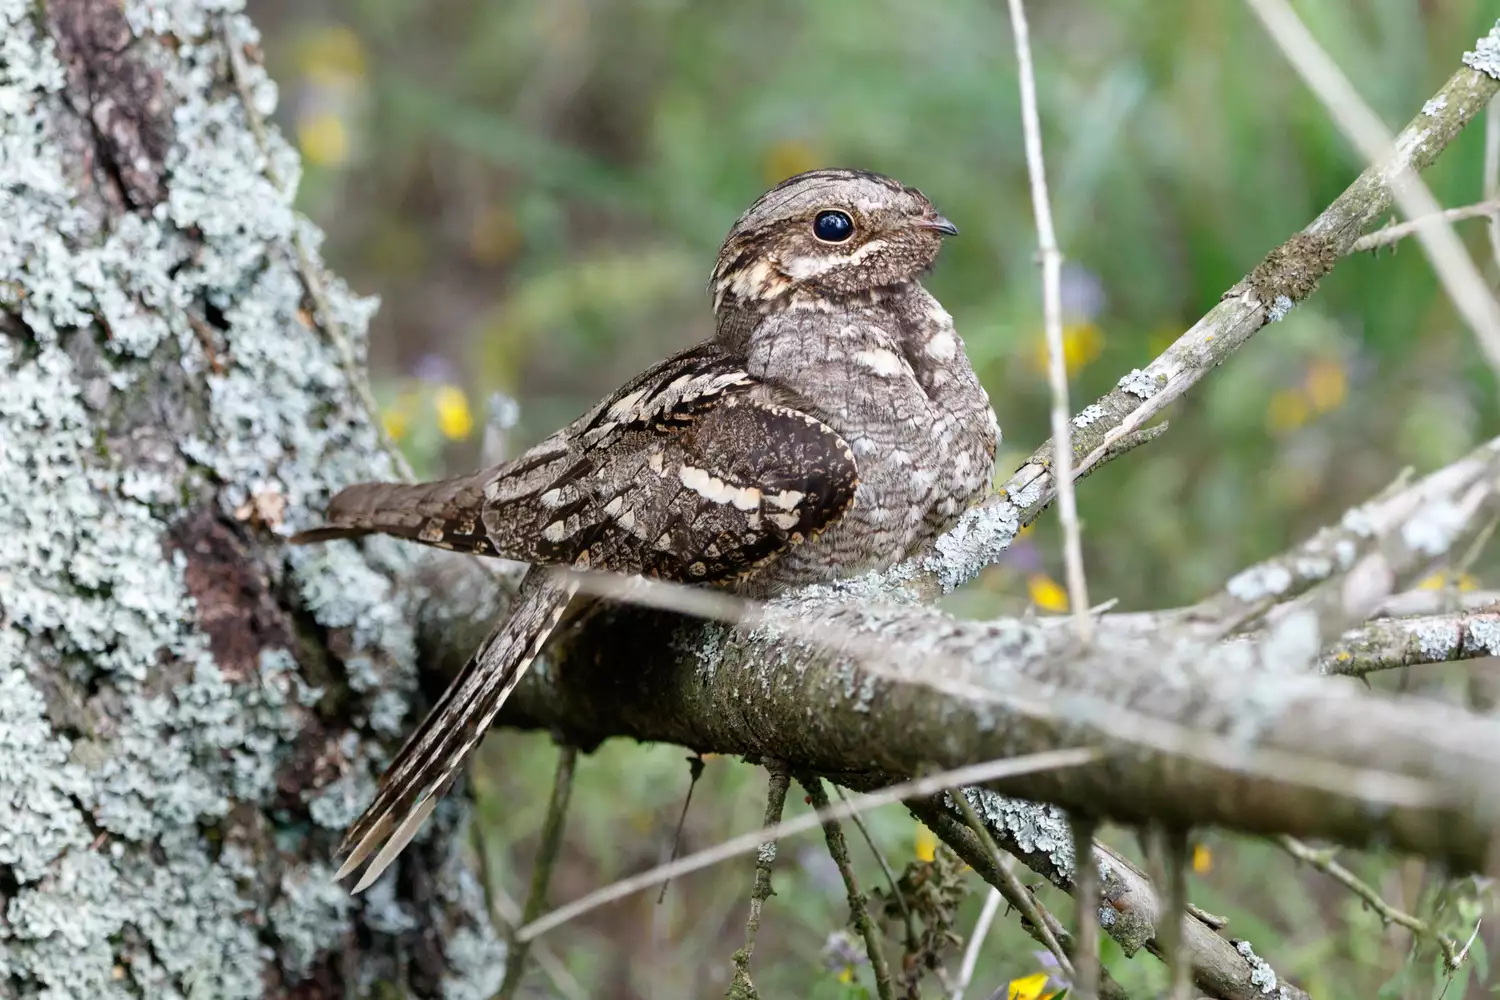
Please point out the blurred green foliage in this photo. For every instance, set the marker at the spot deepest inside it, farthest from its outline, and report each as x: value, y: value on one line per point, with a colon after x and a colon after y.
x: 536, y: 188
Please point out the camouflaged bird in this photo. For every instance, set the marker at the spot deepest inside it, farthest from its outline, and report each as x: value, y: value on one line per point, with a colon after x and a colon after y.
x: 832, y: 425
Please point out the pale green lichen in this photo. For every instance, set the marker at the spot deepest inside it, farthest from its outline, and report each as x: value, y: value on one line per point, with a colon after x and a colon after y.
x: 1486, y: 55
x: 122, y: 738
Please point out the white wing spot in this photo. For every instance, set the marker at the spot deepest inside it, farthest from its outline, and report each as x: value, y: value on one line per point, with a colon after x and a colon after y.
x: 551, y: 498
x: 654, y: 460
x: 715, y: 489
x: 880, y: 361
x: 786, y: 499
x: 943, y: 346
x: 624, y: 408
x: 614, y: 507
x: 555, y: 532
x: 785, y: 522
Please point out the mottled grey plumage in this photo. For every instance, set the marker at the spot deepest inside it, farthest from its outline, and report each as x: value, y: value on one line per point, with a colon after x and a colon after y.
x: 832, y: 425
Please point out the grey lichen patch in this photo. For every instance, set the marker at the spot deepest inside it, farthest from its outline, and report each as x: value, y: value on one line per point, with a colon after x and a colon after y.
x: 1262, y: 976
x: 1293, y: 269
x: 976, y: 541
x: 1139, y: 383
x: 1033, y: 828
x: 1437, y: 641
x: 1279, y: 309
x: 127, y: 726
x: 1484, y: 633
x: 310, y: 917
x: 1259, y: 582
x: 1486, y: 55
x: 1433, y: 529
x: 1089, y: 414
x: 1358, y: 522
x: 1435, y: 105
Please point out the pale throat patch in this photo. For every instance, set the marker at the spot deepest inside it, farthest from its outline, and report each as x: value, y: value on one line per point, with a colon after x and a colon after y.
x: 812, y: 265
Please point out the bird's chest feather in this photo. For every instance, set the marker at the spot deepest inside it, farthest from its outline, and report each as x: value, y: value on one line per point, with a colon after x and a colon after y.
x: 893, y: 380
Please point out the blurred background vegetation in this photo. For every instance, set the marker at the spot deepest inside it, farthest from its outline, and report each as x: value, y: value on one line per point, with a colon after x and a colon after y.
x: 536, y: 189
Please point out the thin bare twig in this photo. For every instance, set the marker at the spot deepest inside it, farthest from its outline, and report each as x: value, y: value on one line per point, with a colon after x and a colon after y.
x: 1327, y: 862
x: 506, y: 912
x: 976, y: 942
x: 1176, y: 859
x: 859, y: 913
x: 745, y: 843
x: 1057, y: 364
x: 1086, y: 894
x: 1487, y: 209
x: 890, y: 877
x: 1011, y: 888
x: 742, y: 988
x: 541, y: 873
x: 1455, y: 269
x: 695, y: 771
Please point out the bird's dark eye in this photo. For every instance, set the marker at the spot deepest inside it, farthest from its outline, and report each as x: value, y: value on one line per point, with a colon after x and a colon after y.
x: 833, y: 227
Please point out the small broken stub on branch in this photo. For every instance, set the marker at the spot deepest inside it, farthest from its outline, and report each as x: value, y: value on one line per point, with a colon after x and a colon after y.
x: 1293, y: 269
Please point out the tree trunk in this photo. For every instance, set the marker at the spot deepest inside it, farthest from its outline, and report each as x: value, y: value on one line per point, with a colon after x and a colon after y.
x: 190, y: 713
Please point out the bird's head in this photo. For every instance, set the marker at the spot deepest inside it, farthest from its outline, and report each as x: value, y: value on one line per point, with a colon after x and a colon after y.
x: 827, y: 235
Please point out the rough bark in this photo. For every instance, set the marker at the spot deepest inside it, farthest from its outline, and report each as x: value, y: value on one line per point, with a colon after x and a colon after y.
x: 189, y: 713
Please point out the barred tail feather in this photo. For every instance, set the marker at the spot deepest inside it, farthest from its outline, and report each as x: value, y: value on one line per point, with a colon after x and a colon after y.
x: 444, y: 513
x: 433, y: 755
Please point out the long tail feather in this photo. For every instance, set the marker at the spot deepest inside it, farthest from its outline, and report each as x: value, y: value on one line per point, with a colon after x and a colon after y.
x: 444, y: 513
x: 433, y: 755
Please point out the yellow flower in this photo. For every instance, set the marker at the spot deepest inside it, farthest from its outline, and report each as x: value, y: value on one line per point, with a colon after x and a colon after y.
x: 1030, y: 987
x: 323, y: 139
x: 396, y: 422
x: 926, y: 844
x: 1287, y: 411
x: 1082, y: 343
x: 1447, y: 578
x: 455, y: 419
x: 1203, y: 860
x: 846, y: 974
x: 1046, y: 594
x: 1326, y: 384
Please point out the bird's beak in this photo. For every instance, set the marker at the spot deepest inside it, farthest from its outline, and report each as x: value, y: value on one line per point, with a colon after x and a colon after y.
x: 936, y: 223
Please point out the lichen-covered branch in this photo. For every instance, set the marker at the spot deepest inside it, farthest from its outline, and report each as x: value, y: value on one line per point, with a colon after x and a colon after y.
x: 1390, y: 643
x: 1130, y: 907
x: 741, y: 987
x: 189, y: 715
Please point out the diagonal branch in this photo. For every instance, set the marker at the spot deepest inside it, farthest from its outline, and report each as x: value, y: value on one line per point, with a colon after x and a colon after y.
x: 1285, y: 277
x: 1455, y: 269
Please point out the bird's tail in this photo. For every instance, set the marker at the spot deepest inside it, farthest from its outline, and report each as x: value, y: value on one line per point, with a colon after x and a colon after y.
x: 444, y: 513
x: 433, y: 755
